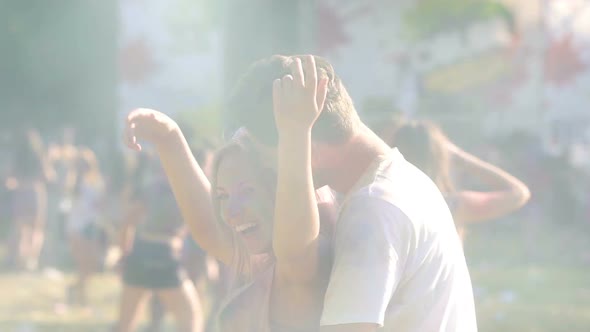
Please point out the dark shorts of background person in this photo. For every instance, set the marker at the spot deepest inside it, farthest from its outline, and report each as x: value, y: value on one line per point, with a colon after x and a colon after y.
x: 95, y: 233
x: 190, y: 247
x: 24, y: 206
x: 153, y: 265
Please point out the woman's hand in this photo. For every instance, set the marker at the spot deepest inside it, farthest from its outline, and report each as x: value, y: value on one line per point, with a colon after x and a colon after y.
x: 148, y: 125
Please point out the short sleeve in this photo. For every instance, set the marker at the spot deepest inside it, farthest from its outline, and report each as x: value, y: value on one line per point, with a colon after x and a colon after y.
x: 367, y: 265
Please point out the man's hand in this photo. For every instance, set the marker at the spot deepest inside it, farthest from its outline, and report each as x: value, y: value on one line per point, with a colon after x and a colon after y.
x: 149, y: 125
x: 299, y: 98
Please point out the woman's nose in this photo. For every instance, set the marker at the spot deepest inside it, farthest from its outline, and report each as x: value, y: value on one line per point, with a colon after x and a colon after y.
x: 235, y: 207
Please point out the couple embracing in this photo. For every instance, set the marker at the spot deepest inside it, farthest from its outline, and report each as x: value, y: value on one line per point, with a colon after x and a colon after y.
x: 384, y: 256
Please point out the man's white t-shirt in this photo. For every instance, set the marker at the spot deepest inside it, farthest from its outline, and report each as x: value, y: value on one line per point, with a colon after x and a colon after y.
x: 398, y: 261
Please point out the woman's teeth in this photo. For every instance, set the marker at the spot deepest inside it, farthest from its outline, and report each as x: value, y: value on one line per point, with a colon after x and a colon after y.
x: 245, y: 227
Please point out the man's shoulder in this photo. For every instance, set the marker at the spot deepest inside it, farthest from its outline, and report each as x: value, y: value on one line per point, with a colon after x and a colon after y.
x: 369, y: 210
x: 398, y: 191
x: 392, y: 176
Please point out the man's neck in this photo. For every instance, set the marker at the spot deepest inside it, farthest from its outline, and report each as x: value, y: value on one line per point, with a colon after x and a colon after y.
x: 355, y: 157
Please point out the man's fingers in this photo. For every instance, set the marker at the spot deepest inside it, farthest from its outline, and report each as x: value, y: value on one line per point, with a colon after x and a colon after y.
x: 321, y: 93
x: 277, y: 95
x: 297, y: 72
x: 286, y: 93
x: 310, y: 72
x: 287, y: 82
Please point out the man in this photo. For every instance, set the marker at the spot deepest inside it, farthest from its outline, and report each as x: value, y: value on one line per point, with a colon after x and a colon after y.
x: 398, y: 261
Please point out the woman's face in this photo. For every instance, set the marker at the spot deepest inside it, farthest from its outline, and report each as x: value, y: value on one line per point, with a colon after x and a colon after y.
x: 246, y: 202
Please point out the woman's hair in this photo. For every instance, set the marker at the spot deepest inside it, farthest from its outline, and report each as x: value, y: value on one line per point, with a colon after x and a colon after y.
x: 423, y: 144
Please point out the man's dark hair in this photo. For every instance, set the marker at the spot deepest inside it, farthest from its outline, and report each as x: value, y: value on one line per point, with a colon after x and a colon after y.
x: 250, y: 104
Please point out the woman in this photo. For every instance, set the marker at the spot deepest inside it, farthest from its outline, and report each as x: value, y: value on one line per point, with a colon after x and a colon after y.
x: 152, y: 255
x: 277, y: 285
x: 244, y: 200
x: 28, y: 203
x: 85, y: 233
x: 425, y: 145
x: 64, y: 158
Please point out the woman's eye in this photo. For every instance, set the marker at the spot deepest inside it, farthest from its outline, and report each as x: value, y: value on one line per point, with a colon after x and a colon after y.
x: 221, y: 196
x: 248, y: 190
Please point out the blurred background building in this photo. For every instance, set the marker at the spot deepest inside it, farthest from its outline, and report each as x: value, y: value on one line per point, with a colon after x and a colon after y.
x: 493, y: 67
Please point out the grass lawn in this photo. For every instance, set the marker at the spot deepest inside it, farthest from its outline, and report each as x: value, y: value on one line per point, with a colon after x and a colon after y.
x: 34, y: 302
x: 538, y: 282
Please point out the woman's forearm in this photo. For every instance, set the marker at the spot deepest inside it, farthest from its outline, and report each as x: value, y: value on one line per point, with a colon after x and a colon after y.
x: 296, y: 226
x: 192, y: 191
x: 492, y: 176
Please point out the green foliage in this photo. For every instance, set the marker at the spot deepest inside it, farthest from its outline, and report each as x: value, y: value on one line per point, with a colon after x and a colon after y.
x: 192, y: 21
x: 429, y: 17
x: 203, y: 125
x: 58, y: 63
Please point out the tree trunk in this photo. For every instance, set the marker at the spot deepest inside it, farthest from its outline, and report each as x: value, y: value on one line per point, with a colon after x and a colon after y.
x: 259, y: 28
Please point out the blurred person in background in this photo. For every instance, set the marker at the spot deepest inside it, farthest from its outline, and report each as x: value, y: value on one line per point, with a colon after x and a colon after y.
x: 426, y: 146
x: 7, y: 182
x: 117, y: 190
x: 152, y: 242
x: 28, y: 186
x: 86, y: 236
x: 63, y: 156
